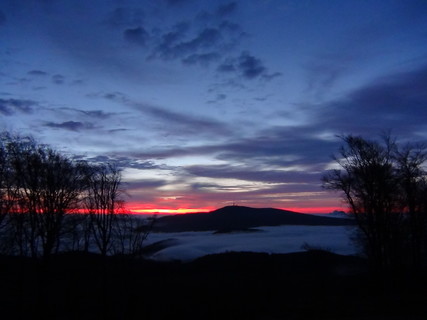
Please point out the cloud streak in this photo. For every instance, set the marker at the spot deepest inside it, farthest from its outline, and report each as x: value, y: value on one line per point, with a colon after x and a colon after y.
x: 247, y: 67
x: 136, y: 35
x: 37, y: 73
x: 179, y: 122
x: 394, y: 102
x: 71, y: 125
x: 10, y: 107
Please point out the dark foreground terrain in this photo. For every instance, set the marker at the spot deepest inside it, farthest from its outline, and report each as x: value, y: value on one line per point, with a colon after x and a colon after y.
x: 306, y: 285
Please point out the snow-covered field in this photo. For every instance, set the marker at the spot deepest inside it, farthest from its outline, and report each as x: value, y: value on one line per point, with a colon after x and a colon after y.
x: 282, y: 239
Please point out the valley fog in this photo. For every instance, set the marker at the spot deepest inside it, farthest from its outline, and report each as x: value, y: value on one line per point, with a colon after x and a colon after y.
x: 186, y: 246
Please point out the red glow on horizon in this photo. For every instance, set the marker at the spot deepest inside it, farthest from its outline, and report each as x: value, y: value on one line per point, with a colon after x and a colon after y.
x: 141, y: 209
x: 150, y: 209
x: 169, y: 211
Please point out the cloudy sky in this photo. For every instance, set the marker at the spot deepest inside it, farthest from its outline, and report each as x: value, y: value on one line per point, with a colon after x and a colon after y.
x: 209, y: 103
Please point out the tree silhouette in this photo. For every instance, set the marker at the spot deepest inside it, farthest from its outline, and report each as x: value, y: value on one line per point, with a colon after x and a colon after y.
x: 43, y: 194
x: 383, y: 186
x: 103, y: 202
x: 43, y: 187
x: 131, y: 232
x: 413, y: 191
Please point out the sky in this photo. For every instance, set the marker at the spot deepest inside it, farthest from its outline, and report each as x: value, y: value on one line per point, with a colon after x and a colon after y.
x: 204, y: 104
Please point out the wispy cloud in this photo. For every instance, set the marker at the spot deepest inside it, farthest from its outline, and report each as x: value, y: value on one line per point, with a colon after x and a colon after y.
x: 71, y: 125
x: 201, y: 59
x: 96, y: 114
x: 2, y: 18
x: 171, y: 47
x: 176, y: 2
x: 9, y: 107
x: 58, y: 79
x: 394, y: 102
x: 226, y: 9
x: 125, y: 17
x: 176, y: 121
x: 247, y: 66
x: 37, y: 73
x: 253, y: 173
x: 274, y: 149
x: 136, y: 35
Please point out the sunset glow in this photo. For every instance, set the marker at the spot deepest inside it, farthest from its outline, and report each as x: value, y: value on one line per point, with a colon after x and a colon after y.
x: 141, y: 209
x: 202, y: 108
x: 168, y: 211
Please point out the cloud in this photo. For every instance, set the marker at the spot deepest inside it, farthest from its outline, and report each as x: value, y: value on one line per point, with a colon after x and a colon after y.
x: 58, y: 79
x: 247, y: 66
x: 71, y: 125
x: 200, y: 46
x: 396, y: 102
x: 250, y: 173
x: 325, y: 70
x: 176, y: 122
x: 9, y: 107
x: 85, y: 114
x: 280, y: 147
x: 182, y: 123
x: 136, y: 35
x: 226, y: 9
x: 176, y: 2
x: 219, y: 97
x: 170, y: 48
x: 303, y: 148
x: 37, y: 73
x: 2, y: 18
x: 77, y: 82
x: 98, y: 114
x: 271, y: 76
x: 125, y: 162
x: 201, y: 59
x: 145, y: 184
x: 227, y: 66
x: 128, y: 17
x: 232, y: 27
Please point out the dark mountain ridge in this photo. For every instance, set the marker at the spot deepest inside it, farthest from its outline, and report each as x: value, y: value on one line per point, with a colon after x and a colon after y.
x: 240, y: 218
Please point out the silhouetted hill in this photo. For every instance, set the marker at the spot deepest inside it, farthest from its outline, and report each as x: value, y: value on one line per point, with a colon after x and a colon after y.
x: 240, y: 218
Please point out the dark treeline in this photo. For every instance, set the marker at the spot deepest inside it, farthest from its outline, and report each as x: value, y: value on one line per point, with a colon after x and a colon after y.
x: 384, y: 184
x: 51, y: 203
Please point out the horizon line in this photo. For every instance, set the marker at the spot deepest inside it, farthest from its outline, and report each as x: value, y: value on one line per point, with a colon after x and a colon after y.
x: 169, y: 211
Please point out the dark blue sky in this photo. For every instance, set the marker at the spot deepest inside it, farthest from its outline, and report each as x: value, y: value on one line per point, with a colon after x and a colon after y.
x: 206, y: 103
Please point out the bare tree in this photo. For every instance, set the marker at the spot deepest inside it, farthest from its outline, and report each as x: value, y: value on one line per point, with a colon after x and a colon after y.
x: 6, y: 183
x: 40, y: 188
x: 21, y: 232
x: 44, y: 186
x: 381, y: 184
x: 131, y: 233
x: 367, y: 181
x: 413, y: 192
x: 8, y: 196
x: 103, y: 203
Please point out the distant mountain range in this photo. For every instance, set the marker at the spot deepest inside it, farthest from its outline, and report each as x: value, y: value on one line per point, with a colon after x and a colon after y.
x: 239, y: 218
